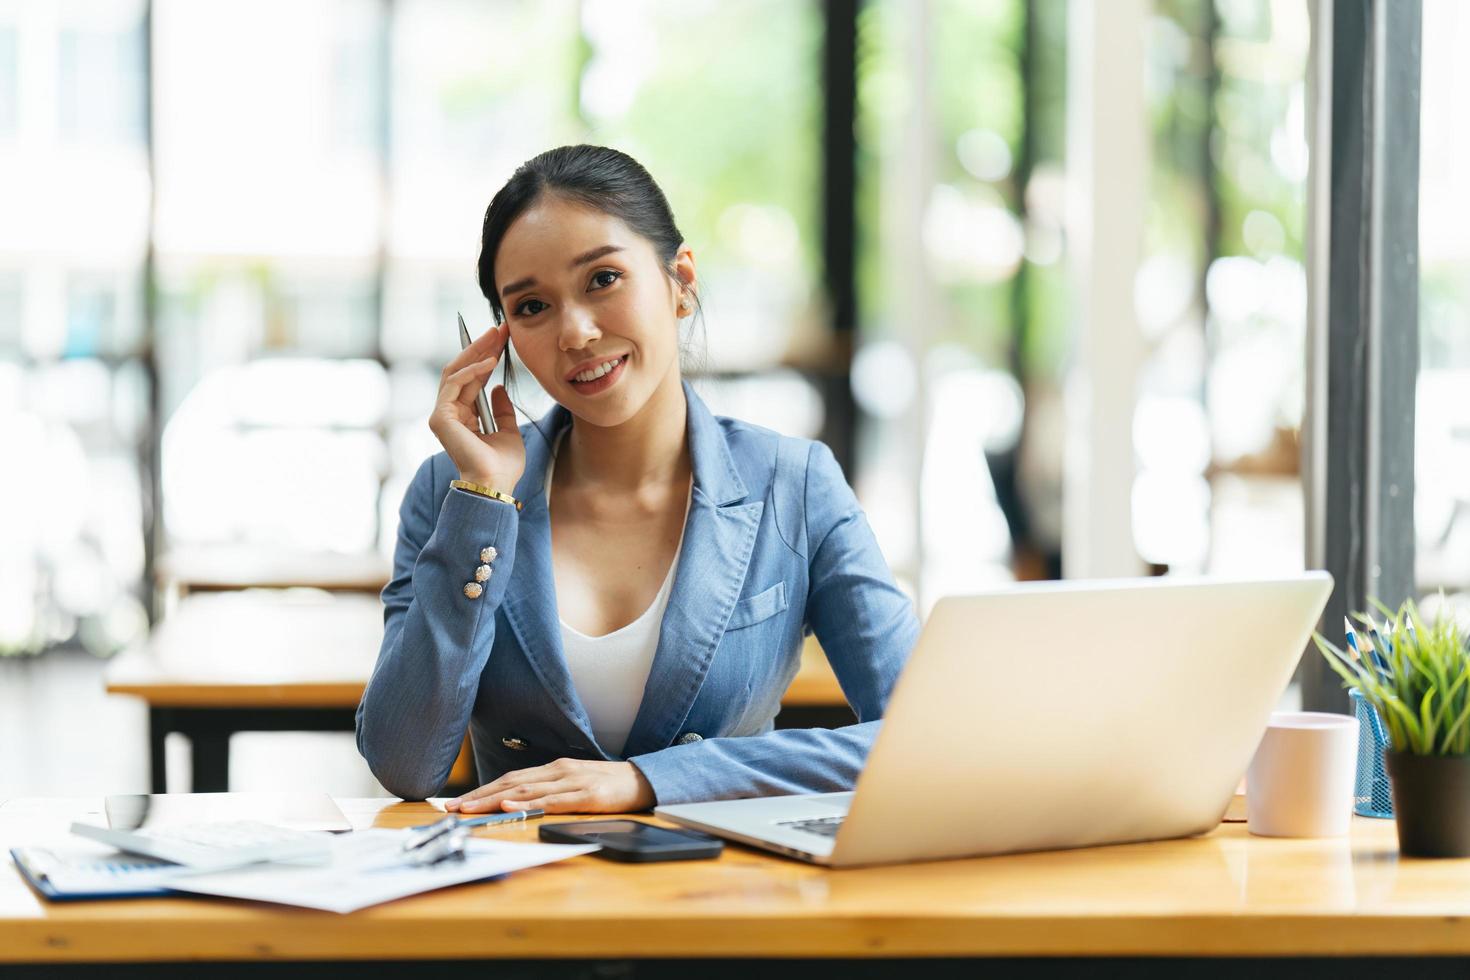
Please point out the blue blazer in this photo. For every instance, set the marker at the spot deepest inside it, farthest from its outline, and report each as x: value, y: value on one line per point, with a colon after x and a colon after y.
x: 775, y: 548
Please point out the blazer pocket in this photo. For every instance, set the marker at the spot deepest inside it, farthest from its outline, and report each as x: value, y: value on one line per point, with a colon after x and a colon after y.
x: 759, y: 607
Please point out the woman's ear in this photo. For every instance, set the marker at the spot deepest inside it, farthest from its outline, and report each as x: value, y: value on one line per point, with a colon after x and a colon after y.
x: 684, y: 270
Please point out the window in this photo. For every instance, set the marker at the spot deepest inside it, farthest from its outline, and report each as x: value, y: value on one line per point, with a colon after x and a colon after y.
x: 269, y: 221
x: 942, y: 246
x: 75, y: 388
x: 9, y: 81
x: 100, y: 80
x: 1221, y: 292
x: 1442, y: 436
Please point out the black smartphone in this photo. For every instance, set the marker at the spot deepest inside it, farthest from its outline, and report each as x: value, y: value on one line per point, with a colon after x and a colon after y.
x: 634, y: 840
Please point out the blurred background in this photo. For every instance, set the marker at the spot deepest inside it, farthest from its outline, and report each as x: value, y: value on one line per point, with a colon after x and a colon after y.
x: 234, y: 237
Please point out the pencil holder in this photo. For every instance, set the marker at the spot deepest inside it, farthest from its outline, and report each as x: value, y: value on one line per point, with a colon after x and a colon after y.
x: 1371, y: 797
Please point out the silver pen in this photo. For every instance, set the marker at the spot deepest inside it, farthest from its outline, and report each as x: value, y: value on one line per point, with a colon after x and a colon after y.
x: 487, y: 421
x: 435, y: 843
x: 443, y: 840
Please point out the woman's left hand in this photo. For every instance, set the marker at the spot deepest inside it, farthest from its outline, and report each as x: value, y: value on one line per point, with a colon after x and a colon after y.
x: 564, y: 786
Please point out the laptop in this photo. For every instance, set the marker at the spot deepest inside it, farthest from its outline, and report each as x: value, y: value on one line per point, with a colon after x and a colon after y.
x: 1054, y: 715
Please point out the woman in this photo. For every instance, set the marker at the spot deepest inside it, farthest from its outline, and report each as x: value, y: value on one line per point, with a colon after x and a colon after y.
x: 635, y: 649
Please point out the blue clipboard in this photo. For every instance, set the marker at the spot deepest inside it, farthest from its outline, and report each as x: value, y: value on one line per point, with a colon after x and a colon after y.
x: 90, y: 876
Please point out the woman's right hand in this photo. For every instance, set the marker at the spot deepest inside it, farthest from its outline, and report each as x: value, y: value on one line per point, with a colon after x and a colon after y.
x: 496, y: 460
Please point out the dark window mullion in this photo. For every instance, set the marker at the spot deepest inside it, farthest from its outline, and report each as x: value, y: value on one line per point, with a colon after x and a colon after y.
x: 839, y: 223
x: 1361, y: 487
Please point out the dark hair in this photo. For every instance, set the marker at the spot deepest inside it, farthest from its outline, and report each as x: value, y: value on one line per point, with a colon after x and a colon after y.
x: 596, y: 177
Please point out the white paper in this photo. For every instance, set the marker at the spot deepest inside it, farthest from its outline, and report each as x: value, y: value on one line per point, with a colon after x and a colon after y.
x: 367, y: 868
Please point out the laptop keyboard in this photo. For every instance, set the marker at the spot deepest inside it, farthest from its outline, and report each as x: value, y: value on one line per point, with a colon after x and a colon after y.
x: 822, y: 826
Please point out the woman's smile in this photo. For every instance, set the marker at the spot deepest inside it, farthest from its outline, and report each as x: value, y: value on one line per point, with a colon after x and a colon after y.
x: 602, y: 382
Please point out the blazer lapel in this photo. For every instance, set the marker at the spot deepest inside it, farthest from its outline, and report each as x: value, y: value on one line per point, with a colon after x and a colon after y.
x: 530, y: 599
x: 719, y: 538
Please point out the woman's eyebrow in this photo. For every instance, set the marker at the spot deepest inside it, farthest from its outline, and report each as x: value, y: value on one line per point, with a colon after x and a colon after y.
x: 593, y: 255
x: 589, y: 256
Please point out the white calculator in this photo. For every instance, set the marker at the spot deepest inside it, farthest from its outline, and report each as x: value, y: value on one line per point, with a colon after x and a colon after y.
x: 216, y: 845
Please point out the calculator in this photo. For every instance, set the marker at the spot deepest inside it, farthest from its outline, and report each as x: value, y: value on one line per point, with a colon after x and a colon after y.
x: 215, y: 845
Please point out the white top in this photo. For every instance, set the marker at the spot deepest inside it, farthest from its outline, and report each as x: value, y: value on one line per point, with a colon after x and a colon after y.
x: 609, y: 672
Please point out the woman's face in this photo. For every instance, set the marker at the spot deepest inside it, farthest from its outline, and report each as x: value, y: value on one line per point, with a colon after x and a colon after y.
x: 580, y: 289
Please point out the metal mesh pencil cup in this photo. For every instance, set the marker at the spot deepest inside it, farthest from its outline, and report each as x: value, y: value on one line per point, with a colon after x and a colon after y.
x: 1371, y: 796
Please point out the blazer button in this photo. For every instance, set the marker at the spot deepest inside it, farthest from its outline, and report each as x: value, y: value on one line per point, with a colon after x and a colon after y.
x: 689, y: 738
x: 517, y: 744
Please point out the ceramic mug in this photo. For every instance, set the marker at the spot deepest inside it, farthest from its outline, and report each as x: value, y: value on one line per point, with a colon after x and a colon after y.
x: 1300, y: 782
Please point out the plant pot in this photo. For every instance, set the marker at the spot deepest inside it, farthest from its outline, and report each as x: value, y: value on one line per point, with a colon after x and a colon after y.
x: 1431, y: 802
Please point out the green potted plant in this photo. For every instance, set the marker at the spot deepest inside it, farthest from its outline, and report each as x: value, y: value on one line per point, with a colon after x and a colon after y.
x: 1417, y: 677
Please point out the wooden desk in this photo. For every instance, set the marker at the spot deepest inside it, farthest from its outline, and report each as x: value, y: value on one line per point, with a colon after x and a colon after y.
x: 1225, y: 894
x: 218, y: 568
x: 234, y: 662
x: 237, y: 662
